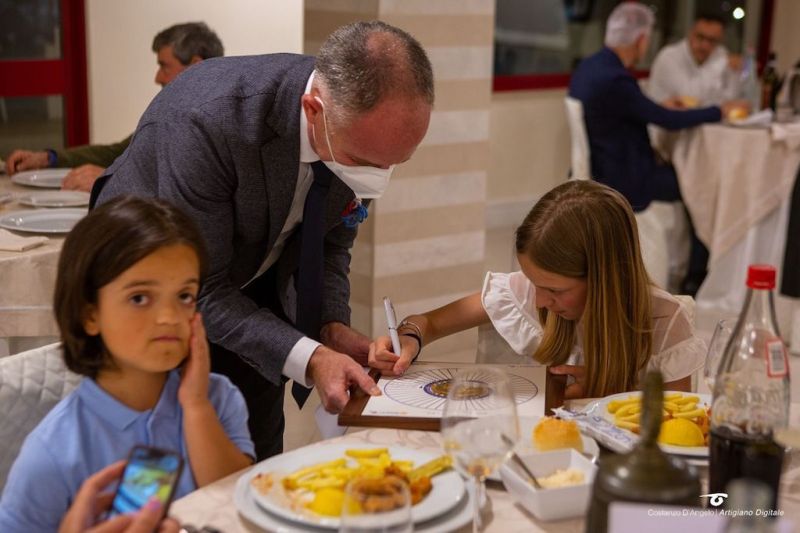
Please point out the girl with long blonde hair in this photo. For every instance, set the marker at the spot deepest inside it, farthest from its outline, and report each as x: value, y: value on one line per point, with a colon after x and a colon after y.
x: 582, y: 302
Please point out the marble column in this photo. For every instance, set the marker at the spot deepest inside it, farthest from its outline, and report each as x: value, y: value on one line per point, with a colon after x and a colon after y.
x: 423, y: 243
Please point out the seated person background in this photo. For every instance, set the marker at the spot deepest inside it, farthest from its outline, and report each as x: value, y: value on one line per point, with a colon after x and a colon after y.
x: 617, y: 113
x: 177, y: 48
x: 582, y: 302
x: 698, y: 67
x: 125, y: 304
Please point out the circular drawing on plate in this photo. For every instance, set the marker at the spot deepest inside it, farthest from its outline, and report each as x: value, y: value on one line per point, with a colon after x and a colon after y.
x: 427, y: 389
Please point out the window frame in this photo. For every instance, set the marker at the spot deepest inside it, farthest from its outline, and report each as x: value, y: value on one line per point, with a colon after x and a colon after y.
x: 66, y: 77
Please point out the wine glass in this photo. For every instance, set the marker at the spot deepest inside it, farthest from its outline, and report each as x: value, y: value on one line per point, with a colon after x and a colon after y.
x: 479, y: 426
x: 376, y: 505
x: 716, y: 348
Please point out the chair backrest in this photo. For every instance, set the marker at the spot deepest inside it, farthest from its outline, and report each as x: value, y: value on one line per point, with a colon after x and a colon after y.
x: 31, y: 383
x: 579, y: 155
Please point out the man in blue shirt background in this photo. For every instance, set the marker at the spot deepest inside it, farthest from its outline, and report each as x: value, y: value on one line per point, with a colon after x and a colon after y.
x: 617, y: 112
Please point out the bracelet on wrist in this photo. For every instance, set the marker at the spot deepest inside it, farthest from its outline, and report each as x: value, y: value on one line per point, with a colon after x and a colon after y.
x: 410, y: 329
x: 52, y: 158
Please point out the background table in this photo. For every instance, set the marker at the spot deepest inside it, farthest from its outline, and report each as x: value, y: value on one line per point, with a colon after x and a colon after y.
x: 736, y: 183
x: 28, y: 280
x: 213, y: 505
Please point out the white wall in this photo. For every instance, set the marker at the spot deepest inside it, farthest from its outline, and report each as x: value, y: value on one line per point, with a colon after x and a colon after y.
x: 122, y: 66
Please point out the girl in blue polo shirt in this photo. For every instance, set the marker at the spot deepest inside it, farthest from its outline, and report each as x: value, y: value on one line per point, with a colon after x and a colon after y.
x: 125, y: 302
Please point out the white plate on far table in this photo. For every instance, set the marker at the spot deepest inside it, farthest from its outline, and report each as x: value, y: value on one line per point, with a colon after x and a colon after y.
x: 447, y: 492
x: 42, y: 220
x: 55, y: 199
x: 600, y: 408
x: 47, y: 178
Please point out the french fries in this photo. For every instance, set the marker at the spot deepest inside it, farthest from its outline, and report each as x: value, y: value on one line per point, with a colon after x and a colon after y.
x: 676, y: 405
x: 320, y: 487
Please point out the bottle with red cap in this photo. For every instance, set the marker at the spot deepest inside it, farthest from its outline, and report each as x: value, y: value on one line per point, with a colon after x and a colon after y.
x: 751, y: 393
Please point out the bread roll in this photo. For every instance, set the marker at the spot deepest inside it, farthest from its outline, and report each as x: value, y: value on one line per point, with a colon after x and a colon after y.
x: 554, y: 433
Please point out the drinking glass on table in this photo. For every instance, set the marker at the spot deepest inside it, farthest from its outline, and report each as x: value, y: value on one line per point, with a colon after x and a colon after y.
x: 716, y: 347
x: 479, y: 426
x: 376, y: 505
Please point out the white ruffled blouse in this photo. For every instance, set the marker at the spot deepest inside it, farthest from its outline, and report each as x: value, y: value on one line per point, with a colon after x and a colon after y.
x: 509, y: 300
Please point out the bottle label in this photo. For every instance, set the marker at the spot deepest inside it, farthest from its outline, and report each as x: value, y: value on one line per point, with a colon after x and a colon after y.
x: 777, y: 364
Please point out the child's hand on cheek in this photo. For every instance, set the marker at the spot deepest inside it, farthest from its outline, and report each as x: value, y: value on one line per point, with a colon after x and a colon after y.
x: 193, y: 391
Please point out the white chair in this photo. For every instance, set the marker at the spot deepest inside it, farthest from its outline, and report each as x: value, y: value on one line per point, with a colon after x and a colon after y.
x: 31, y: 383
x: 653, y: 239
x: 580, y: 161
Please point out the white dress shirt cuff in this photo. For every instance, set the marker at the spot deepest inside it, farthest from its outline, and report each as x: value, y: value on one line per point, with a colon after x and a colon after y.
x: 297, y: 361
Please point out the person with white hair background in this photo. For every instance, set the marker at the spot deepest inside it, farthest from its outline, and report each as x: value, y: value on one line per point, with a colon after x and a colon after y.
x: 617, y: 112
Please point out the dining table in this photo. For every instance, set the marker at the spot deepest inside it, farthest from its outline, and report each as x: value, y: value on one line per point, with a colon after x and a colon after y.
x: 736, y: 183
x: 28, y: 277
x: 214, y: 506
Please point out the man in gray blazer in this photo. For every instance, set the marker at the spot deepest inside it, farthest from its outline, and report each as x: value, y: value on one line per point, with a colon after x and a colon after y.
x: 247, y: 146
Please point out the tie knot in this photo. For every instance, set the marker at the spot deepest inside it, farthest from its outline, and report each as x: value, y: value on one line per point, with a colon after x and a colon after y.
x: 322, y: 174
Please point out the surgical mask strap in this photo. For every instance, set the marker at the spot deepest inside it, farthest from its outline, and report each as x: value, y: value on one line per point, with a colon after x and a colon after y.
x: 325, y: 122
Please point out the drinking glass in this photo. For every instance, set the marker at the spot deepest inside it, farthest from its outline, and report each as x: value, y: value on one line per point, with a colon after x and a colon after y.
x: 479, y: 426
x: 716, y: 347
x: 380, y: 505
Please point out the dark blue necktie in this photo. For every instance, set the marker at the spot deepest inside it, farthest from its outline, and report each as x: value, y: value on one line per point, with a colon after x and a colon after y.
x: 311, y: 270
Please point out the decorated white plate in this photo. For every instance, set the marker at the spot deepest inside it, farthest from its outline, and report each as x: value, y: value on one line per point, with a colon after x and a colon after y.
x: 245, y: 503
x: 42, y: 220
x: 600, y: 408
x: 47, y: 178
x: 55, y: 199
x: 448, y: 487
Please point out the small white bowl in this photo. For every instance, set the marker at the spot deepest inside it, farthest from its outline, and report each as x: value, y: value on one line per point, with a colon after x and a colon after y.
x: 555, y: 503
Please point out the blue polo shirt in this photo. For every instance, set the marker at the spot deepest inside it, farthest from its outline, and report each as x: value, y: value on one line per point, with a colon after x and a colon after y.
x: 87, y: 431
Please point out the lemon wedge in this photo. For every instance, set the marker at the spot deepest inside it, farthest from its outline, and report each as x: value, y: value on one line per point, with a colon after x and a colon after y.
x: 328, y: 502
x: 681, y: 432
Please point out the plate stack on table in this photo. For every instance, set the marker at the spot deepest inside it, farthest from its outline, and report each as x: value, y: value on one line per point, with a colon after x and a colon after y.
x: 65, y: 208
x: 32, y: 204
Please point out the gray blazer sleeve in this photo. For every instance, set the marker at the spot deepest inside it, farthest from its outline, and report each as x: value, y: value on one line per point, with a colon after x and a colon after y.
x: 191, y: 165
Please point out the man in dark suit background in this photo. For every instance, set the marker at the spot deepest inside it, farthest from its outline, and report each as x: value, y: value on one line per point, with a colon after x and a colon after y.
x: 247, y: 146
x: 617, y: 112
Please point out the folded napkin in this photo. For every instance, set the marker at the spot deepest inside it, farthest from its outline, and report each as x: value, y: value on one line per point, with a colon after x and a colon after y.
x: 14, y: 243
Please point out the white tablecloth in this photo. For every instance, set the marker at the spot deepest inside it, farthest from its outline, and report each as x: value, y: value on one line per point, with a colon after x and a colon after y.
x: 736, y: 183
x: 27, y: 281
x: 213, y: 505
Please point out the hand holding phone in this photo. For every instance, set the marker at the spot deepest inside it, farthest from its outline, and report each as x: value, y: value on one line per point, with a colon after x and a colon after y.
x: 91, y: 501
x: 149, y: 473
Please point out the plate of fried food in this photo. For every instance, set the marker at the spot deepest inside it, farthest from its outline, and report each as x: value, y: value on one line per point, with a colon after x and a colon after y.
x: 306, y: 486
x: 685, y: 423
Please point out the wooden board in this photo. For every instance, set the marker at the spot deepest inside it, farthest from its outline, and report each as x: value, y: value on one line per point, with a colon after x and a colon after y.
x: 427, y: 418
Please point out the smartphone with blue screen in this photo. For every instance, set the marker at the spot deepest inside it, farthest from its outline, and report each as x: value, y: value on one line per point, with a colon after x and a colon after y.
x: 149, y: 472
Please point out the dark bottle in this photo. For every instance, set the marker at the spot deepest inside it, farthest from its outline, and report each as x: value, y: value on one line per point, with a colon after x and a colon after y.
x: 770, y: 83
x: 751, y: 393
x: 646, y: 474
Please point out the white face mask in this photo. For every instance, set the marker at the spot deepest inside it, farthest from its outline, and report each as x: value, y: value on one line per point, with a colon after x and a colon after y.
x: 365, y: 182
